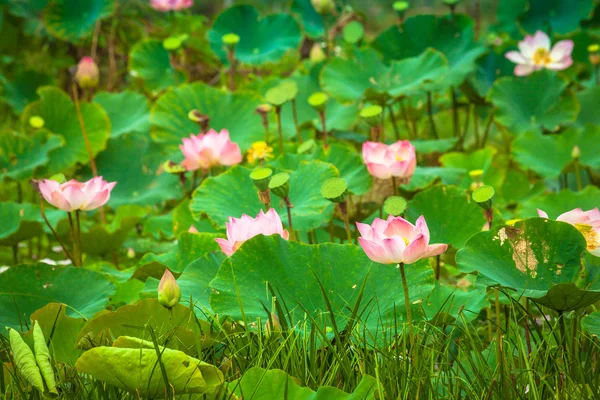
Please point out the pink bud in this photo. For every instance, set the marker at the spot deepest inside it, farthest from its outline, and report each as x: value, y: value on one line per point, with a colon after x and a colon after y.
x: 205, y: 151
x: 87, y: 74
x: 171, y: 5
x: 73, y: 195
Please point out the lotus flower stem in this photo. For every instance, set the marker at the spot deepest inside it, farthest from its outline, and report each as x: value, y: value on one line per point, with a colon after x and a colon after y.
x: 578, y: 175
x: 76, y: 249
x: 411, y: 133
x: 60, y: 242
x: 455, y: 121
x: 232, y: 65
x: 437, y: 268
x: 279, y: 128
x: 322, y: 116
x: 488, y: 127
x: 406, y: 302
x: 394, y: 186
x: 295, y: 115
x: 430, y: 116
x: 344, y: 211
x: 289, y: 206
x: 394, y: 122
x: 79, y: 234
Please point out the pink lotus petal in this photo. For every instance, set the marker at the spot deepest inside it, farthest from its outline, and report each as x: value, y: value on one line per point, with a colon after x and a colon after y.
x: 435, y: 250
x: 374, y: 251
x: 415, y: 250
x: 421, y: 225
x: 379, y: 170
x: 561, y: 65
x: 516, y: 57
x: 542, y: 214
x: 365, y: 230
x: 394, y: 248
x: 524, y: 69
x: 561, y: 50
x: 399, y: 227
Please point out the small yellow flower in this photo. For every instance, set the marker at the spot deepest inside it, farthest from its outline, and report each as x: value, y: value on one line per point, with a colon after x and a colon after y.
x: 259, y: 151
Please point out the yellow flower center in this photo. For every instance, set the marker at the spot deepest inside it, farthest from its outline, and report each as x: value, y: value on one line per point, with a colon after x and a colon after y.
x: 406, y: 242
x: 399, y: 158
x: 259, y: 151
x: 590, y: 235
x: 541, y: 57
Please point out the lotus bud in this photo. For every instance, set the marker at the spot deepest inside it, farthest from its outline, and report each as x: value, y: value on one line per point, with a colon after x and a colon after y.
x: 323, y: 7
x: 317, y: 54
x: 576, y: 153
x: 280, y: 184
x: 594, y: 54
x: 169, y: 292
x: 87, y: 74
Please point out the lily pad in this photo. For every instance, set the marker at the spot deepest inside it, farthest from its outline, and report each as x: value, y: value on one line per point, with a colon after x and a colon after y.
x: 214, y: 197
x: 539, y: 101
x: 588, y: 100
x: 23, y: 89
x: 26, y: 288
x: 557, y: 203
x: 60, y: 118
x: 560, y: 16
x: 149, y: 61
x: 262, y: 40
x: 22, y: 221
x: 426, y: 176
x: 446, y: 301
x: 171, y: 124
x: 72, y: 20
x: 128, y: 111
x: 439, y: 202
x: 532, y: 257
x: 21, y: 155
x: 312, y: 22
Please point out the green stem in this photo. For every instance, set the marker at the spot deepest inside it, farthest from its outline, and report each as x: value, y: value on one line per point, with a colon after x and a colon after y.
x: 430, y: 116
x: 394, y: 186
x: 578, y: 175
x: 76, y: 257
x: 288, y: 206
x: 394, y: 122
x: 344, y: 210
x: 455, y: 122
x: 295, y: 115
x: 79, y: 237
x: 406, y: 302
x: 64, y: 248
x: 279, y: 128
x: 322, y: 116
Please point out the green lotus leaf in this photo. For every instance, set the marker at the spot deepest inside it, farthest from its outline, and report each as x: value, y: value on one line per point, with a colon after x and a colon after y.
x: 21, y: 155
x: 480, y: 159
x: 135, y: 369
x: 508, y: 12
x: 133, y: 161
x: 350, y: 165
x: 548, y: 155
x: 453, y: 37
x: 194, y: 280
x: 311, y: 20
x: 130, y: 320
x: 447, y: 301
x: 426, y: 176
x: 434, y: 146
x: 22, y: 221
x: 60, y: 118
x: 588, y: 100
x: 60, y: 331
x: 265, y: 384
x: 591, y: 323
x: 560, y: 16
x: 183, y: 220
x: 532, y: 257
x: 214, y: 197
x: 72, y: 20
x: 149, y: 61
x: 557, y: 203
x: 169, y: 114
x: 291, y: 269
x: 23, y: 89
x: 128, y: 111
x: 490, y: 67
x: 436, y: 204
x: 539, y: 101
x: 262, y: 39
x: 33, y: 286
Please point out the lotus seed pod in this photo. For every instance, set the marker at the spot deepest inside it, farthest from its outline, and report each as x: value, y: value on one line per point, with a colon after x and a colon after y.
x: 280, y: 184
x: 335, y: 190
x: 323, y: 7
x: 261, y: 178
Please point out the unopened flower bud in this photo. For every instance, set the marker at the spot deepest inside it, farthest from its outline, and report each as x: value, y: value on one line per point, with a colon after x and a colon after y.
x: 323, y: 7
x: 169, y: 292
x: 87, y: 74
x: 594, y: 54
x: 317, y: 54
x: 576, y: 152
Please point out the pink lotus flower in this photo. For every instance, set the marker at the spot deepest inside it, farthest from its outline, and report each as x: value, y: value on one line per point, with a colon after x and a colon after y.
x: 171, y: 5
x: 241, y: 229
x: 383, y: 161
x: 535, y: 53
x: 87, y: 74
x: 205, y: 151
x: 397, y: 241
x: 586, y: 222
x: 73, y: 195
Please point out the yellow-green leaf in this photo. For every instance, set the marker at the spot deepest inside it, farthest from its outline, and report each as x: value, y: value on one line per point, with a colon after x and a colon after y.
x: 25, y: 360
x: 42, y: 356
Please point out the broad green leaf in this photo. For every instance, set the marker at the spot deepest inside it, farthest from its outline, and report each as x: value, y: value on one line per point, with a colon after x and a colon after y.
x: 23, y: 89
x: 21, y: 221
x: 588, y: 100
x: 20, y: 155
x: 508, y: 12
x: 149, y: 61
x: 591, y: 323
x: 434, y: 146
x: 447, y: 301
x: 183, y: 220
x: 291, y: 269
x: 136, y: 370
x: 262, y: 384
x: 539, y: 101
x: 559, y: 16
x: 531, y: 257
x: 311, y: 21
x: 60, y: 118
x: 128, y: 111
x: 42, y: 357
x: 33, y: 286
x: 557, y: 203
x: 479, y: 159
x: 262, y: 39
x: 439, y: 205
x: 232, y: 111
x: 350, y: 165
x: 452, y: 36
x: 25, y: 361
x: 72, y: 20
x: 491, y: 67
x: 133, y: 161
x: 426, y: 176
x: 214, y: 197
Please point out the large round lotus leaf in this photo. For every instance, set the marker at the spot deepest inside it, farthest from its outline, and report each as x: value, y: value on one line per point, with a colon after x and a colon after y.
x: 548, y: 155
x: 23, y: 89
x: 415, y: 74
x: 588, y: 101
x: 349, y: 164
x: 480, y: 159
x: 539, y: 101
x: 60, y: 330
x: 135, y: 370
x: 133, y: 161
x: 60, y: 118
x: 150, y: 61
x: 72, y: 20
x: 193, y: 282
x: 20, y: 155
x: 215, y: 198
x: 591, y: 323
x: 22, y: 221
x: 438, y: 205
x: 489, y: 68
x: 557, y: 203
x: 183, y: 220
x: 262, y: 40
x: 447, y: 301
x: 130, y: 320
x: 232, y: 111
x: 452, y: 36
x: 531, y: 257
x: 434, y: 146
x: 560, y: 16
x: 312, y: 21
x: 276, y: 384
x: 291, y: 269
x: 128, y: 111
x: 26, y: 288
x: 425, y: 176
x: 507, y: 13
